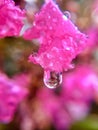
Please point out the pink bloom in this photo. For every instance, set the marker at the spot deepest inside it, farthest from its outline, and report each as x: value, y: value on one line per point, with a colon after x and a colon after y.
x: 11, y: 18
x: 60, y: 40
x: 92, y: 34
x: 81, y: 81
x: 79, y: 88
x: 12, y: 92
x: 53, y: 107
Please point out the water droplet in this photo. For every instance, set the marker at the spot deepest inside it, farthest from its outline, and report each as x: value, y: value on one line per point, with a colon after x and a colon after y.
x: 67, y: 14
x: 52, y: 79
x: 65, y: 18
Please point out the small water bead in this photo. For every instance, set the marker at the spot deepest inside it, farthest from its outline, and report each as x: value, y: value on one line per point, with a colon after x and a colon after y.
x: 52, y: 79
x: 67, y: 14
x: 65, y: 18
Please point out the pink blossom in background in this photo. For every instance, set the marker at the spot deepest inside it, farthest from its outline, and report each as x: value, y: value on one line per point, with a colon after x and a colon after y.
x: 53, y: 107
x: 12, y: 92
x: 11, y: 18
x: 79, y: 88
x: 94, y: 12
x: 92, y: 34
x: 60, y: 40
x: 81, y: 81
x: 70, y: 102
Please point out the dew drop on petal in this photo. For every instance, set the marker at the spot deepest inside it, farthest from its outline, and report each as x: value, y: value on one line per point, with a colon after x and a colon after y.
x: 67, y: 14
x: 52, y: 79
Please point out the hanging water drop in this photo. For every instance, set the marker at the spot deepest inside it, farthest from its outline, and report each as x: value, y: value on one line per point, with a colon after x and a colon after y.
x: 67, y: 14
x: 52, y: 79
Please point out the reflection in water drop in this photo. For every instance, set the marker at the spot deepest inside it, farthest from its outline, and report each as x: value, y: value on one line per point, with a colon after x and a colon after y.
x: 52, y: 79
x: 67, y: 14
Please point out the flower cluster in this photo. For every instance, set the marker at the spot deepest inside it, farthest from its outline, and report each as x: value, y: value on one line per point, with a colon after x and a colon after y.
x: 60, y: 40
x: 81, y: 81
x: 12, y: 91
x: 11, y: 18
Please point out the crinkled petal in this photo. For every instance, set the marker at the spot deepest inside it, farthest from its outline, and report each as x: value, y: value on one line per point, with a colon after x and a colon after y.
x: 11, y: 19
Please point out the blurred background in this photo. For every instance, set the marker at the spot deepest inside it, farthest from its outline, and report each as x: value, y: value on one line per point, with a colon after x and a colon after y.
x: 74, y: 104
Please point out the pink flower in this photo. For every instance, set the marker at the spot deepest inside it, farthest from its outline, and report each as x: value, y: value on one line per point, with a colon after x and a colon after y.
x: 81, y: 81
x: 79, y: 87
x: 92, y: 41
x: 12, y: 92
x: 11, y: 19
x: 53, y: 107
x: 60, y: 40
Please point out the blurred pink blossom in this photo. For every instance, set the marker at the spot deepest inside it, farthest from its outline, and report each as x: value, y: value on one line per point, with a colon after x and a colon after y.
x: 73, y: 99
x: 92, y: 40
x: 81, y: 81
x: 60, y: 40
x: 79, y: 87
x: 12, y: 92
x: 11, y: 18
x: 53, y: 107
